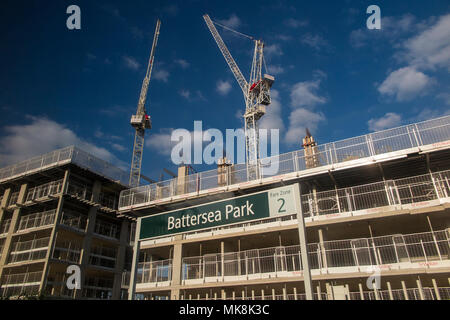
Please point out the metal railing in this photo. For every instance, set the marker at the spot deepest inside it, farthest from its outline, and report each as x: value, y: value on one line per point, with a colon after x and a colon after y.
x: 45, y: 190
x: 103, y: 257
x: 13, y: 198
x: 401, y: 138
x: 20, y: 284
x: 29, y: 250
x: 36, y: 220
x: 4, y: 226
x: 97, y: 288
x: 78, y: 190
x: 108, y: 200
x: 69, y: 154
x: 107, y: 229
x: 384, y: 250
x: 74, y: 220
x: 398, y: 193
x: 68, y: 251
x: 154, y: 272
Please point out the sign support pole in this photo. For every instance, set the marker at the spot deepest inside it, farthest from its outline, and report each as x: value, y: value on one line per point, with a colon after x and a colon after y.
x: 134, y: 265
x: 303, y: 244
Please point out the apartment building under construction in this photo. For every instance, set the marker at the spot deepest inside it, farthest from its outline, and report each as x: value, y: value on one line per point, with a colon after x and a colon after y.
x: 57, y: 210
x: 376, y: 207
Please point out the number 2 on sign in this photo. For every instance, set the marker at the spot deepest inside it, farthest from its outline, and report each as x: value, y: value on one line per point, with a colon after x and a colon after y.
x: 281, y: 209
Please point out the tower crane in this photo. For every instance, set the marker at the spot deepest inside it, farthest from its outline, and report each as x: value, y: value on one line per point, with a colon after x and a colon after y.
x: 256, y: 94
x: 141, y: 120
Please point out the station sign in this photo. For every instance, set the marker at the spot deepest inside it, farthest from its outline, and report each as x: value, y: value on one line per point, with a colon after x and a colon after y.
x: 270, y: 203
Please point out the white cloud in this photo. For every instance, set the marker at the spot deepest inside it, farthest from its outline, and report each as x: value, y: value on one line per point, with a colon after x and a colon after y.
x: 273, y: 50
x: 223, y: 87
x: 185, y: 94
x: 304, y: 94
x: 299, y: 120
x: 389, y: 120
x: 232, y: 22
x: 295, y: 23
x: 182, y: 63
x: 160, y: 142
x: 405, y: 84
x: 118, y: 147
x: 315, y: 41
x: 43, y: 135
x: 431, y: 48
x: 131, y: 63
x: 272, y: 119
x: 162, y: 75
x: 275, y: 69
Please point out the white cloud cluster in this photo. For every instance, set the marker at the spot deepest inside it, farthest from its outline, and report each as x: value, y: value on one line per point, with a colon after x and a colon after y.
x: 405, y: 84
x: 314, y: 41
x: 131, y: 63
x: 389, y: 120
x: 162, y: 75
x: 304, y: 94
x: 43, y: 135
x: 182, y: 63
x: 232, y: 22
x: 223, y: 87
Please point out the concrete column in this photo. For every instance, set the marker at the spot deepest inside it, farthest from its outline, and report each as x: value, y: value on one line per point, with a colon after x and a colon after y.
x: 262, y: 294
x: 223, y: 294
x: 273, y: 294
x: 120, y: 260
x: 330, y: 294
x: 284, y: 293
x: 303, y: 244
x: 51, y: 246
x: 4, y: 203
x: 243, y: 295
x: 361, y: 291
x: 436, y: 289
x: 176, y: 268
x: 391, y: 296
x: 12, y: 227
x: 419, y: 286
x: 322, y: 248
x: 134, y: 263
x: 253, y: 294
x: 319, y: 292
x: 405, y: 292
x: 295, y: 293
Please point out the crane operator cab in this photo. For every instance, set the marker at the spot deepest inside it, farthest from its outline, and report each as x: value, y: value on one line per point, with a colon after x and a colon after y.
x: 260, y: 95
x: 141, y: 121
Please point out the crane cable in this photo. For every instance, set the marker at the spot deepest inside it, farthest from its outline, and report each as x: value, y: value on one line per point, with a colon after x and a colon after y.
x: 227, y: 28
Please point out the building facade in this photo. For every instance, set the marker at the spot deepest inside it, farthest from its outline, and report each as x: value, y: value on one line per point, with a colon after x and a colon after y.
x: 58, y: 210
x: 377, y: 216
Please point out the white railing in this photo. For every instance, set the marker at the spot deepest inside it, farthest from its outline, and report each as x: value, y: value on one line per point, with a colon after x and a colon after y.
x: 45, y: 190
x: 69, y: 154
x: 107, y: 229
x: 415, y: 135
x: 103, y: 257
x: 36, y: 220
x: 154, y: 272
x: 29, y: 250
x: 400, y: 194
x: 20, y: 284
x: 74, y: 220
x: 281, y: 261
x: 4, y: 226
x: 68, y: 251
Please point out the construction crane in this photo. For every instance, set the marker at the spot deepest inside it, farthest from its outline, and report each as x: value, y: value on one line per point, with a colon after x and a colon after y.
x: 256, y: 94
x: 141, y: 120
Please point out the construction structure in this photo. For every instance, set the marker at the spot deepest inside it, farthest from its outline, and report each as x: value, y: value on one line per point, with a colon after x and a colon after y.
x: 59, y: 210
x: 141, y: 120
x: 256, y: 93
x: 376, y: 209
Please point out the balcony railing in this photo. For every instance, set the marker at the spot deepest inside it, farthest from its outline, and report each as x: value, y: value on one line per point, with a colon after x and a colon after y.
x: 109, y: 201
x: 13, y: 198
x: 78, y: 190
x: 67, y: 251
x: 4, y: 226
x: 397, y: 194
x: 29, y: 250
x: 103, y: 257
x: 37, y: 220
x: 97, y: 288
x: 66, y: 155
x: 154, y: 272
x: 387, y: 251
x: 20, y: 284
x: 415, y: 135
x: 74, y: 220
x: 45, y: 190
x: 107, y: 229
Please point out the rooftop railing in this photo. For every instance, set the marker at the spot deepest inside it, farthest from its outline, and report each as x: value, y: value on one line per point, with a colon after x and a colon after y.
x: 65, y: 155
x: 402, y: 138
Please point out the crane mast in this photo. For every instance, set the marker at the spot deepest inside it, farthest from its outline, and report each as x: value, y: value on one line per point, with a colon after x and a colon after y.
x: 256, y: 95
x: 141, y: 120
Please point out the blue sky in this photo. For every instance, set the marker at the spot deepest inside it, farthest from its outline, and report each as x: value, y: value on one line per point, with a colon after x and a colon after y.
x: 333, y: 75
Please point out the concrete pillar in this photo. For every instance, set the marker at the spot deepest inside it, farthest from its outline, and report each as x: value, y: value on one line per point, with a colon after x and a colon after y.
x: 419, y: 286
x: 295, y: 293
x: 224, y: 294
x: 329, y: 291
x: 322, y: 248
x: 262, y: 294
x: 120, y: 260
x: 405, y: 292
x: 233, y: 294
x: 273, y: 294
x: 243, y: 295
x: 284, y: 294
x: 176, y: 267
x: 51, y: 246
x: 391, y: 295
x: 253, y: 294
x: 361, y: 291
x: 436, y: 289
x: 3, y: 205
x: 14, y: 221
